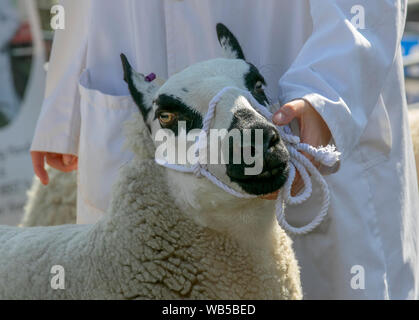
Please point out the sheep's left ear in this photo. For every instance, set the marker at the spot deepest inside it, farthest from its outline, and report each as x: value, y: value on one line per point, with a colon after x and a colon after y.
x: 142, y: 88
x: 229, y: 43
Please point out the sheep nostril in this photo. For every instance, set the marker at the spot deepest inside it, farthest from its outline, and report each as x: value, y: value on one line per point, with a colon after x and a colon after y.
x: 276, y: 159
x: 273, y: 139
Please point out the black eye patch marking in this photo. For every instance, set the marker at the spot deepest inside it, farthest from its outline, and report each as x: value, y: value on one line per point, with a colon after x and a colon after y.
x: 250, y: 80
x: 170, y: 103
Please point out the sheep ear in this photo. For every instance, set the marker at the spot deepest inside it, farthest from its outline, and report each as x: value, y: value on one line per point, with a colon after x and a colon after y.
x: 229, y: 43
x: 142, y: 88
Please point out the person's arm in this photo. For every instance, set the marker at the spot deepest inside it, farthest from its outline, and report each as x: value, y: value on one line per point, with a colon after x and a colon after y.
x: 341, y: 70
x: 58, y: 127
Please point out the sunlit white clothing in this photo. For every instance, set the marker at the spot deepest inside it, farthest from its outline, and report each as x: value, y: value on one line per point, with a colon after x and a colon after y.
x: 305, y: 49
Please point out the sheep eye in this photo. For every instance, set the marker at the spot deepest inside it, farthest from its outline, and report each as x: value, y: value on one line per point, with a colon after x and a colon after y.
x: 259, y: 86
x: 166, y: 118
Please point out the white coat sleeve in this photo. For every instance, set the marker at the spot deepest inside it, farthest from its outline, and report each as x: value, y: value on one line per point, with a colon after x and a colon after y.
x: 58, y: 126
x: 342, y: 67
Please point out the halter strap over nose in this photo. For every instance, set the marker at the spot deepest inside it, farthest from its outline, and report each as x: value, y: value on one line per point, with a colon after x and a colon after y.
x: 327, y: 156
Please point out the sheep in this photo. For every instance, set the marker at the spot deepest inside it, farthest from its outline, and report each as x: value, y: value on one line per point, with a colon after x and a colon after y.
x: 54, y: 204
x: 167, y: 234
x: 414, y: 128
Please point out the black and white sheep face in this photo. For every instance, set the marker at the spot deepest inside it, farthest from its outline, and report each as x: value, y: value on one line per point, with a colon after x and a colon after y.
x: 184, y: 99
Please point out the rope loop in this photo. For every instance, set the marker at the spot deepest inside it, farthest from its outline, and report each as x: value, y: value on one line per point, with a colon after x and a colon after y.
x: 327, y: 156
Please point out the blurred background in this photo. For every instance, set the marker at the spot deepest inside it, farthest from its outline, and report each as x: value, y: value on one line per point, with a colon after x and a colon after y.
x: 25, y: 44
x: 410, y: 47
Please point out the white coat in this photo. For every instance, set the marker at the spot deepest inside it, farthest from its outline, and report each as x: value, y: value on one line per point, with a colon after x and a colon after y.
x: 368, y: 246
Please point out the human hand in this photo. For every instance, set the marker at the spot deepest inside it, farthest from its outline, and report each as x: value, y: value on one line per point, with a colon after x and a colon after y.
x: 313, y: 131
x: 62, y: 162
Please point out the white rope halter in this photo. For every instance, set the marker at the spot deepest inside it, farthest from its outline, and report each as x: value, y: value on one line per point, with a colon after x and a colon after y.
x: 327, y: 156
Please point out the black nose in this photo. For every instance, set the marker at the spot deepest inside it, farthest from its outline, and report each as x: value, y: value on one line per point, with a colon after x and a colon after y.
x: 275, y: 156
x: 274, y: 152
x: 272, y: 138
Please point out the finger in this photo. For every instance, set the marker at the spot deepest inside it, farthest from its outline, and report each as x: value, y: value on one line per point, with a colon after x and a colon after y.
x: 325, y: 170
x: 316, y: 164
x: 308, y: 156
x: 71, y: 167
x: 38, y: 163
x: 288, y: 112
x: 54, y: 155
x: 75, y: 164
x: 57, y: 163
x: 69, y: 159
x: 297, y: 185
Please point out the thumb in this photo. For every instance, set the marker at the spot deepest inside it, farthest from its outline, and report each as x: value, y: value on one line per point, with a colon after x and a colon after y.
x: 68, y: 159
x: 288, y: 112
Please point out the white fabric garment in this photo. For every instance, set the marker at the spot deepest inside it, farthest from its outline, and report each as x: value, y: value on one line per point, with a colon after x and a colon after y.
x: 305, y: 49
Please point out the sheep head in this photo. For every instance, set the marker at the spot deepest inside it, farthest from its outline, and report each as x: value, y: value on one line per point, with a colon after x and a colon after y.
x: 184, y: 99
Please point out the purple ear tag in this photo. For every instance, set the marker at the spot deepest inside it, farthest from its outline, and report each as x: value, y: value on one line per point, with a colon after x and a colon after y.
x: 150, y: 77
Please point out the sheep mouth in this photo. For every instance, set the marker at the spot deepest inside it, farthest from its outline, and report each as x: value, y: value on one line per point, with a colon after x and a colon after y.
x: 267, y: 182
